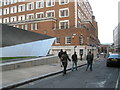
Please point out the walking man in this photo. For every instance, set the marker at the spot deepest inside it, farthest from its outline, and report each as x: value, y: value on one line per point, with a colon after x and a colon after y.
x: 59, y: 55
x: 64, y: 59
x: 89, y: 61
x: 74, y: 60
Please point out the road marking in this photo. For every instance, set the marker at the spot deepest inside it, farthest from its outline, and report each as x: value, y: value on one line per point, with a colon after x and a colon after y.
x: 116, y: 87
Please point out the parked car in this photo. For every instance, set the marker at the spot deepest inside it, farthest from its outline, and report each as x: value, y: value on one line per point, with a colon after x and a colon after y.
x: 113, y: 60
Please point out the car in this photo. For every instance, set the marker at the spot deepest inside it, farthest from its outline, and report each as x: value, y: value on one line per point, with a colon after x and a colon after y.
x: 113, y: 60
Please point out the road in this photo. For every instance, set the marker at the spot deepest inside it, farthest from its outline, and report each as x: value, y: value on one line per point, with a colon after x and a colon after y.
x: 100, y: 77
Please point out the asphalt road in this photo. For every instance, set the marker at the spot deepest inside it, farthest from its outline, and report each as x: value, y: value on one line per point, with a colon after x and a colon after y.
x: 100, y: 77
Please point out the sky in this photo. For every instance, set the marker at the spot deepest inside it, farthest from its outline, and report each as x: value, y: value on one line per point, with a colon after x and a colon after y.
x: 106, y: 13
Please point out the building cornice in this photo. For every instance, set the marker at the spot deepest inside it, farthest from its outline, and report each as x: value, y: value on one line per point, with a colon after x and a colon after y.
x: 33, y: 20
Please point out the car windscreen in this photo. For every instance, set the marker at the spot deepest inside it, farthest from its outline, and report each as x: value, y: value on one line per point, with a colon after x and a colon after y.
x: 114, y: 56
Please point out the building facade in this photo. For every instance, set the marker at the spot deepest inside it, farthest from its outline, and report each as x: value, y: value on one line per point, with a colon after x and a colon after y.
x: 71, y: 21
x: 116, y: 38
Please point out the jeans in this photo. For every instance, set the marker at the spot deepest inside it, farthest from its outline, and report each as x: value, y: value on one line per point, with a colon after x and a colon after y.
x: 74, y: 64
x: 89, y: 64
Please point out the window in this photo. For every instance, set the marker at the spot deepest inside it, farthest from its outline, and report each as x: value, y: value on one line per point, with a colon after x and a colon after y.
x: 21, y: 0
x: 0, y: 3
x: 40, y: 15
x: 21, y: 8
x: 5, y: 20
x: 30, y: 6
x: 0, y: 20
x: 21, y: 17
x: 64, y: 24
x: 81, y: 40
x: 26, y: 27
x: 6, y: 11
x: 13, y: 1
x: 50, y: 13
x: 13, y: 9
x: 13, y: 19
x: 32, y: 26
x: 0, y: 12
x: 64, y: 12
x: 50, y: 3
x: 61, y: 2
x: 57, y: 40
x: 30, y: 16
x: 22, y: 27
x: 67, y: 40
x: 36, y: 26
x: 39, y: 4
x: 6, y: 2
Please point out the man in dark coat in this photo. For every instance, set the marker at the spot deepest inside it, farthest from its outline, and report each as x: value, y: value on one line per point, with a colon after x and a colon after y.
x: 59, y: 55
x: 74, y: 60
x: 64, y: 59
x: 89, y: 61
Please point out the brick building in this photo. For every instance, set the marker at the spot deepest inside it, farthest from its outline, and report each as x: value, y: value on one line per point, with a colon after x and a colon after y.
x: 71, y: 21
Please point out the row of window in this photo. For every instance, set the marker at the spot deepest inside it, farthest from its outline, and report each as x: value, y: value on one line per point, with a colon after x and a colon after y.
x: 68, y: 40
x: 35, y: 26
x: 39, y: 3
x: 62, y: 13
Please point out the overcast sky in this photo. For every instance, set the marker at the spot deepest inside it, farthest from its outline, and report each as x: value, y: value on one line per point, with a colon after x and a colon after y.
x: 106, y: 13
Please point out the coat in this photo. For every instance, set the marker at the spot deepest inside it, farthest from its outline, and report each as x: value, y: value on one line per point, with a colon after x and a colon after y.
x: 74, y: 57
x: 89, y: 58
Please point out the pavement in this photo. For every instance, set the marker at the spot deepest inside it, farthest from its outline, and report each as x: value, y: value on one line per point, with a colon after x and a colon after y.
x: 13, y: 78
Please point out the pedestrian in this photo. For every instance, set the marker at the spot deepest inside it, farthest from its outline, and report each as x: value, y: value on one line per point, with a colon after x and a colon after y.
x: 89, y: 61
x: 74, y: 61
x: 59, y: 55
x: 64, y: 59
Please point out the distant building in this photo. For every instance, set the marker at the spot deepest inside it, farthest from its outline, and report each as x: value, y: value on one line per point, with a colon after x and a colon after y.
x: 71, y: 22
x: 116, y: 38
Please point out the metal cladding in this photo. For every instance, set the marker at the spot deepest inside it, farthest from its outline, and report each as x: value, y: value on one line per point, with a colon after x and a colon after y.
x: 18, y: 42
x: 13, y: 36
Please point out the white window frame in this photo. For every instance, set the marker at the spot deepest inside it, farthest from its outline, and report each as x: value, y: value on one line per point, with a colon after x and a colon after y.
x: 21, y: 0
x: 22, y: 26
x: 13, y: 1
x: 63, y: 3
x: 0, y: 20
x: 6, y: 2
x: 5, y: 11
x: 50, y: 12
x: 28, y: 16
x: 11, y: 19
x: 1, y: 3
x: 15, y: 9
x: 64, y: 21
x: 0, y: 12
x: 56, y: 42
x: 36, y: 26
x: 32, y: 26
x: 4, y: 20
x: 32, y: 3
x: 62, y: 10
x: 42, y: 4
x: 26, y: 26
x: 51, y: 2
x: 66, y: 40
x: 19, y: 8
x: 19, y: 17
x: 40, y: 13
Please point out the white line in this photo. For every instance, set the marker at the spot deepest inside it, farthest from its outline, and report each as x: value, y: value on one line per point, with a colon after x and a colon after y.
x: 116, y: 87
